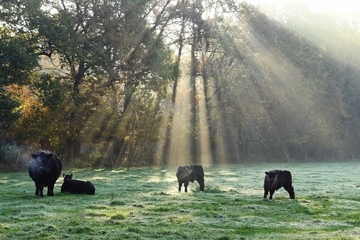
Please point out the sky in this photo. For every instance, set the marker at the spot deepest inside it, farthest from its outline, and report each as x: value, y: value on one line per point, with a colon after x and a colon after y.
x: 333, y: 6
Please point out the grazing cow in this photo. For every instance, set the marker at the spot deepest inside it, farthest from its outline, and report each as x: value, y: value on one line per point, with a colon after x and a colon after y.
x: 190, y: 173
x: 77, y: 186
x: 44, y: 169
x: 276, y: 179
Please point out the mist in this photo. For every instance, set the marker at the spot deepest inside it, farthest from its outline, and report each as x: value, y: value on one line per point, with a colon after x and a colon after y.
x: 290, y: 86
x: 197, y: 82
x: 333, y: 26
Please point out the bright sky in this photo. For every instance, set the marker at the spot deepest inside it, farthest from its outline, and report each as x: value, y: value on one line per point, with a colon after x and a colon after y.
x: 336, y: 6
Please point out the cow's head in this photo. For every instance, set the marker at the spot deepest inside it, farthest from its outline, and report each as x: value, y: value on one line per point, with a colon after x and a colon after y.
x: 271, y: 178
x: 67, y: 177
x: 42, y: 159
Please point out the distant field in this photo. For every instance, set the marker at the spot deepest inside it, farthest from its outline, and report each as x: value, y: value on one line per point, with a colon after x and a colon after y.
x: 143, y: 203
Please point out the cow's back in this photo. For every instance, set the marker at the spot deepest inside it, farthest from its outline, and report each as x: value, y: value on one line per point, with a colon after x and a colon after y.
x: 282, y: 179
x: 89, y: 188
x: 183, y: 172
x: 198, y: 170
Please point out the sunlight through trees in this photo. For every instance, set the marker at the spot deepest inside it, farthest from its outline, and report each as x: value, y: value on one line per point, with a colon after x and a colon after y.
x: 160, y: 82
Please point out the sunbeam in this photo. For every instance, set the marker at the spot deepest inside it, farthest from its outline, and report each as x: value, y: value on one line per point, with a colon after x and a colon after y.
x: 332, y: 6
x: 180, y: 137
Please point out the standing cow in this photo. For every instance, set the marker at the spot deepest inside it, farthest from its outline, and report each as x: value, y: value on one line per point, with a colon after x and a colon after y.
x: 276, y: 179
x: 44, y: 169
x: 190, y: 173
x: 77, y: 186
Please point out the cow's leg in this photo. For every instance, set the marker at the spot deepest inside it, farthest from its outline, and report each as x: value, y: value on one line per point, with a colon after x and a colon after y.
x: 41, y: 188
x: 202, y: 185
x: 37, y: 190
x: 50, y: 190
x: 265, y: 193
x: 180, y: 183
x: 271, y: 193
x: 290, y: 190
x: 186, y: 184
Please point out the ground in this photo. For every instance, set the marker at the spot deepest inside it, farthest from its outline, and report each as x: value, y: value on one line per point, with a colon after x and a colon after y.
x: 143, y: 203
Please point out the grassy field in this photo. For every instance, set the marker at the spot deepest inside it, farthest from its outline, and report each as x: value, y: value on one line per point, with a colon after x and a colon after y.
x: 143, y: 203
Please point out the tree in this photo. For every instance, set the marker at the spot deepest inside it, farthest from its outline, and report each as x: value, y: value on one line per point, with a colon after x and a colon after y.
x: 99, y: 45
x: 17, y: 60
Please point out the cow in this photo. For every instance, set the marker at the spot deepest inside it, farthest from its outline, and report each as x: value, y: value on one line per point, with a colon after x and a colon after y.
x: 190, y: 173
x: 44, y: 169
x: 76, y: 186
x: 276, y: 179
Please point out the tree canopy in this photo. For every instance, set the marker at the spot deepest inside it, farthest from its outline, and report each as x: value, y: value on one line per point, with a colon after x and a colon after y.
x: 103, y: 82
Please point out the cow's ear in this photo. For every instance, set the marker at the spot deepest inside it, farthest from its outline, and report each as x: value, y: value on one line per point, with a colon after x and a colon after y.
x: 71, y: 175
x: 34, y: 155
x: 267, y: 173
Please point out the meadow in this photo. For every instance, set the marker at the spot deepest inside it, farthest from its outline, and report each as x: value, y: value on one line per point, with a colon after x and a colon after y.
x: 143, y: 203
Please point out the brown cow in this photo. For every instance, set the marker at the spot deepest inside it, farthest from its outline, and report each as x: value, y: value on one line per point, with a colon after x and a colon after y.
x: 276, y: 179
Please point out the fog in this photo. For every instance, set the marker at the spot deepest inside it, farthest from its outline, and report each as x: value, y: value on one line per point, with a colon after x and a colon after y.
x: 332, y: 25
x: 329, y: 6
x: 254, y: 84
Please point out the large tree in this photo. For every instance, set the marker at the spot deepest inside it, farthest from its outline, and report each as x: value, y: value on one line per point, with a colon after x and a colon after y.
x: 100, y: 47
x: 17, y: 60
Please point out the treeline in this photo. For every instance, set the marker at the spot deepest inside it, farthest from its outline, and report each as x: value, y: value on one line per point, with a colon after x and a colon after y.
x: 292, y: 98
x: 94, y: 94
x: 97, y: 83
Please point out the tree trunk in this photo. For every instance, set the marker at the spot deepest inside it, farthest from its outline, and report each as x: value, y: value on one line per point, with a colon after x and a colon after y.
x: 193, y: 101
x: 118, y: 146
x: 73, y: 150
x: 209, y: 120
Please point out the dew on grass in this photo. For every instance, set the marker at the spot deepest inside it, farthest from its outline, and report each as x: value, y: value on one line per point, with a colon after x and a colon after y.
x: 117, y: 203
x: 118, y: 217
x: 230, y: 207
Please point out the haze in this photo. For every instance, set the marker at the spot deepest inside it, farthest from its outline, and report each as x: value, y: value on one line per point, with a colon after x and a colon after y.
x: 274, y: 82
x: 332, y: 6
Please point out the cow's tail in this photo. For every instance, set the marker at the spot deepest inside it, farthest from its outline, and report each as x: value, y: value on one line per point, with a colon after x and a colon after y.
x: 290, y: 178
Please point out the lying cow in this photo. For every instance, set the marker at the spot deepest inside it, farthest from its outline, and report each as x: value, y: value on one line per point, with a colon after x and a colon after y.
x: 190, y: 173
x: 44, y: 170
x: 76, y: 186
x: 276, y: 179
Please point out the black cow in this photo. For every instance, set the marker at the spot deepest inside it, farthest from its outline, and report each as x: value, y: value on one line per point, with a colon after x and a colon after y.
x: 77, y: 186
x: 190, y: 173
x: 44, y: 169
x: 276, y: 179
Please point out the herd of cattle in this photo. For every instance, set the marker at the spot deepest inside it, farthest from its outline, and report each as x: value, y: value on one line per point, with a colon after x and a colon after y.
x: 46, y: 167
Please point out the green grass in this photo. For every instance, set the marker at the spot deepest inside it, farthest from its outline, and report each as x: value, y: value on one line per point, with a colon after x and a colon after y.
x: 143, y: 203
